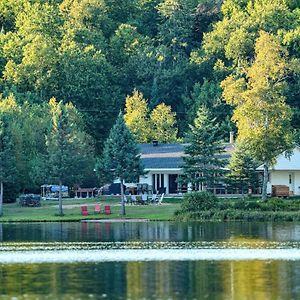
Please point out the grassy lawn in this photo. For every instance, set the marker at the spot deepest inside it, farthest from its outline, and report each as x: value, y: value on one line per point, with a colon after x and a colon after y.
x: 14, y: 213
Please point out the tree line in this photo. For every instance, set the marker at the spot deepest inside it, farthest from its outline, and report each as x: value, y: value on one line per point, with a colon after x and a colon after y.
x: 166, y: 59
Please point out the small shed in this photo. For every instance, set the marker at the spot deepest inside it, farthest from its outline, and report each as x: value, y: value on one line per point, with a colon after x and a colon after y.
x: 85, y: 192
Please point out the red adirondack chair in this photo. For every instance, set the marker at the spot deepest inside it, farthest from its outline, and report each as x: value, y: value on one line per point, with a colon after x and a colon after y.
x: 84, y: 210
x: 107, y: 210
x: 97, y: 208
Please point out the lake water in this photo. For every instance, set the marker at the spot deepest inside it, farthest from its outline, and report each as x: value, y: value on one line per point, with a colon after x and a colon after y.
x: 152, y: 260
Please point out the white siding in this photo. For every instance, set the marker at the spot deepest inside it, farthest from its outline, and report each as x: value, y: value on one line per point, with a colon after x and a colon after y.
x: 282, y: 178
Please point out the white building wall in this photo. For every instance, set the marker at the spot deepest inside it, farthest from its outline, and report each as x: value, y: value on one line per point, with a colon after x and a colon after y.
x: 148, y: 177
x: 283, y: 178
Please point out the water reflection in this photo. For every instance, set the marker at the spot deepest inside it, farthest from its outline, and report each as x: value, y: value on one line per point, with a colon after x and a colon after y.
x: 153, y: 280
x: 202, y: 279
x: 149, y: 231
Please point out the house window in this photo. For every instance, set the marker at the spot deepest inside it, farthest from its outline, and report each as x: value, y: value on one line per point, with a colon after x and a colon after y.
x: 290, y: 178
x: 162, y: 183
x: 153, y: 181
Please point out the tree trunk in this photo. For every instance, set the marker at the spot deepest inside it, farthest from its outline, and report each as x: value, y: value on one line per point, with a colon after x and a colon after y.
x: 61, y: 213
x: 123, y: 213
x: 1, y: 199
x: 265, y: 181
x: 1, y: 233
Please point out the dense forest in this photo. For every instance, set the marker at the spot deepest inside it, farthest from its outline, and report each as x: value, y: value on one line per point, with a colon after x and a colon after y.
x: 89, y: 57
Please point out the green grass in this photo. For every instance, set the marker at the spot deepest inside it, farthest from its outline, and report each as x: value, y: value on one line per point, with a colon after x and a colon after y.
x: 12, y: 212
x: 241, y: 209
x: 287, y: 209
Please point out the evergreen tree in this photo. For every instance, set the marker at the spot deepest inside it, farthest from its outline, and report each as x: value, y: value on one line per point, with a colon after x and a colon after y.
x: 203, y: 164
x: 242, y: 168
x: 7, y: 157
x: 120, y: 159
x: 68, y: 149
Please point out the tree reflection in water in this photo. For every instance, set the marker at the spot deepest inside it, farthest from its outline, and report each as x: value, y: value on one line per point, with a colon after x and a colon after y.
x: 153, y: 280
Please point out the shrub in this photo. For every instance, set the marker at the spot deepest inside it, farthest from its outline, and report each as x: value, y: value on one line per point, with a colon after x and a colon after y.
x: 199, y: 201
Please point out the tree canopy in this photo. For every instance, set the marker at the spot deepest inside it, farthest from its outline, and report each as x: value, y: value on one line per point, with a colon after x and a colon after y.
x: 174, y: 55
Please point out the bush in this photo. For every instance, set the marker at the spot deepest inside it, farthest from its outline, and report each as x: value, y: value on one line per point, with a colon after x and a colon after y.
x: 199, y: 201
x: 246, y: 204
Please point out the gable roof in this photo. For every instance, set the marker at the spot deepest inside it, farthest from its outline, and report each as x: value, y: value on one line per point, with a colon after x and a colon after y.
x: 169, y: 156
x: 162, y: 156
x: 286, y: 163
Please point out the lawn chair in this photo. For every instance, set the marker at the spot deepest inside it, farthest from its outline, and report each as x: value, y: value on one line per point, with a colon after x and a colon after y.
x: 107, y: 210
x: 154, y: 198
x: 133, y: 199
x: 144, y: 199
x: 84, y: 210
x: 160, y: 200
x: 97, y: 208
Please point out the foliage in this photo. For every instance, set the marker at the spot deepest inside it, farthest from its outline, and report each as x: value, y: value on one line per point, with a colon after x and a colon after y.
x: 246, y: 209
x: 67, y: 147
x: 203, y: 164
x: 159, y: 125
x: 136, y: 117
x: 198, y: 201
x: 120, y: 158
x: 95, y: 52
x: 163, y: 124
x: 261, y: 114
x: 7, y: 156
x: 242, y: 168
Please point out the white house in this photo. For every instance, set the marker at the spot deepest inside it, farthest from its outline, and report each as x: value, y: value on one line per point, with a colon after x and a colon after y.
x: 163, y: 163
x: 286, y: 171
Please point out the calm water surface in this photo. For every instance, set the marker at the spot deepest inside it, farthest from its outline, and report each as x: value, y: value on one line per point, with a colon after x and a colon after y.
x: 163, y: 278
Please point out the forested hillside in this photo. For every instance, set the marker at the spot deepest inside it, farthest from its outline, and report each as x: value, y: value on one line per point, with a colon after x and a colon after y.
x: 95, y: 53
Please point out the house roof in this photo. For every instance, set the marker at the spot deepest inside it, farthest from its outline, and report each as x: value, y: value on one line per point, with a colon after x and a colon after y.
x: 162, y: 156
x: 169, y: 156
x: 285, y: 162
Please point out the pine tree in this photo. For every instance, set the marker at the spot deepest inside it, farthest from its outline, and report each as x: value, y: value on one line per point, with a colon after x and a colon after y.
x: 7, y: 157
x: 120, y: 159
x: 203, y: 163
x: 242, y: 168
x: 69, y: 153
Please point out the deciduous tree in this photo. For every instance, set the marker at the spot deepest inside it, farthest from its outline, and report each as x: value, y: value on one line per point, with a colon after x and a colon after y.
x: 137, y: 116
x: 7, y: 156
x: 261, y: 114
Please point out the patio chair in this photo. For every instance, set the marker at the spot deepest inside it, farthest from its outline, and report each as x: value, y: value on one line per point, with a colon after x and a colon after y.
x: 107, y: 210
x: 161, y: 198
x: 97, y: 208
x: 144, y: 199
x: 133, y: 199
x: 154, y: 198
x: 84, y: 210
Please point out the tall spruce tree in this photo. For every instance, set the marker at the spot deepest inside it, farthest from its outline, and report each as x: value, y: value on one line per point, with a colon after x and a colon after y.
x: 68, y: 151
x: 7, y: 157
x: 203, y: 164
x: 242, y: 168
x: 121, y: 158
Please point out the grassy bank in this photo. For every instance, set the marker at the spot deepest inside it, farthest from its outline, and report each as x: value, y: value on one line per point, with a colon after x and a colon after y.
x: 47, y: 212
x: 247, y: 209
x: 223, y: 210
